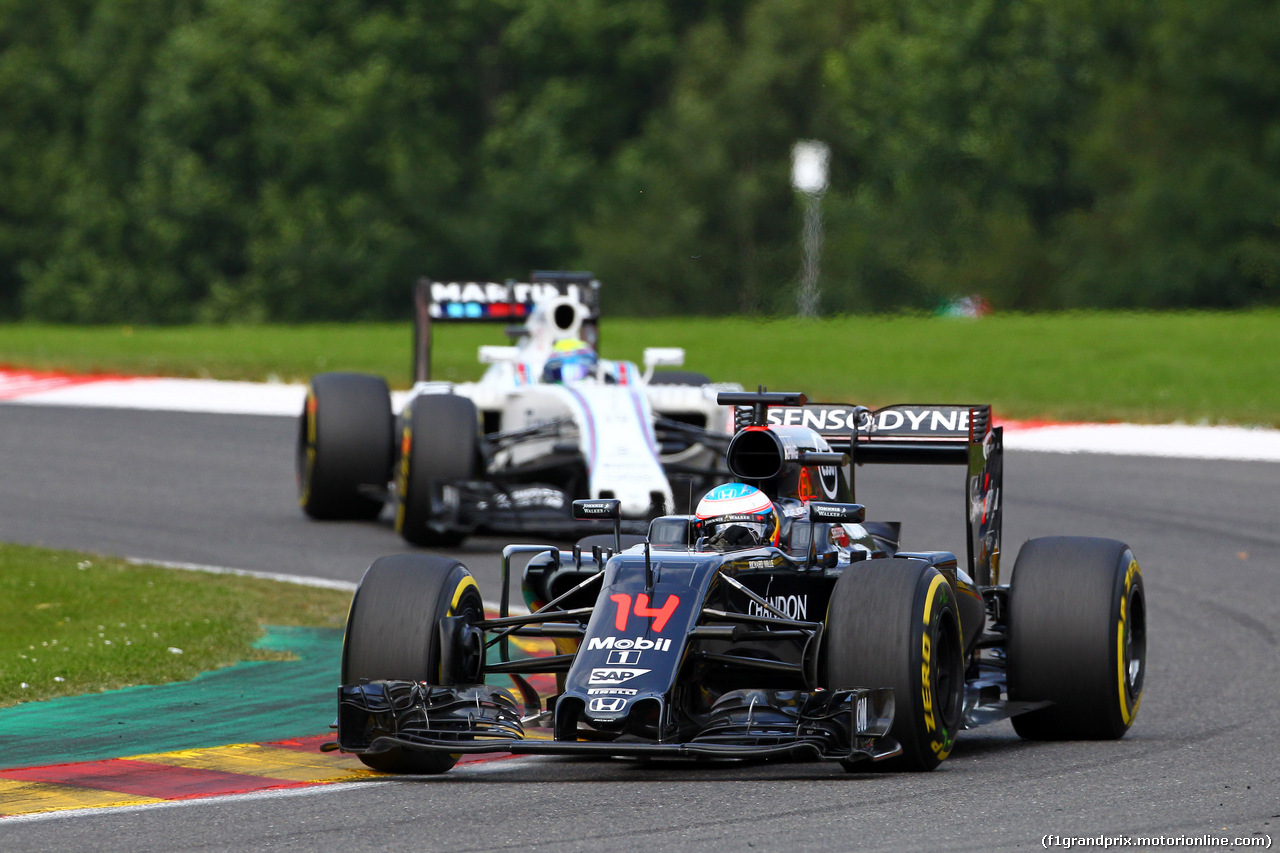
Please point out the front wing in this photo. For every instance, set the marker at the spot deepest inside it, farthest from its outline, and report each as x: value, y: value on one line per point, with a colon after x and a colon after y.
x: 500, y: 508
x: 846, y: 725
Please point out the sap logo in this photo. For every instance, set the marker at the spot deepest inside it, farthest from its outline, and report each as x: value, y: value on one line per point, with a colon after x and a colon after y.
x: 623, y: 658
x: 795, y: 606
x: 616, y: 691
x: 614, y: 675
x: 640, y: 643
x: 608, y: 706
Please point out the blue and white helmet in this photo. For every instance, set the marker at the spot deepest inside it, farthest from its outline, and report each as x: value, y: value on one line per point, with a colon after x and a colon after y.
x: 735, y: 515
x: 570, y: 361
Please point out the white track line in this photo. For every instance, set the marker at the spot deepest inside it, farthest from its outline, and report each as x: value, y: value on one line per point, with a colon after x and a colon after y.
x: 274, y: 398
x: 1169, y: 440
x: 300, y: 580
x: 176, y: 395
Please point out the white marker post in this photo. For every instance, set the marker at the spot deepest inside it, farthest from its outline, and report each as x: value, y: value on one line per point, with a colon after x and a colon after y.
x: 809, y: 175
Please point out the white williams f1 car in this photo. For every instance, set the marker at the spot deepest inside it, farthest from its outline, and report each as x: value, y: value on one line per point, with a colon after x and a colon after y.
x: 548, y: 423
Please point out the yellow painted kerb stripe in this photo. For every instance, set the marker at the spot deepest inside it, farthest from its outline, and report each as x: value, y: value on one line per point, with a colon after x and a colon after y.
x: 21, y: 797
x: 266, y: 761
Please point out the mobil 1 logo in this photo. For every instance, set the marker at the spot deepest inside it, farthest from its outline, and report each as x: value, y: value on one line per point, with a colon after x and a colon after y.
x: 623, y: 658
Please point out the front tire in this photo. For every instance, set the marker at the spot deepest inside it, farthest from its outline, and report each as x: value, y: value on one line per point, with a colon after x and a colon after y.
x: 344, y: 446
x: 439, y: 442
x: 893, y: 623
x: 393, y: 634
x: 1077, y: 637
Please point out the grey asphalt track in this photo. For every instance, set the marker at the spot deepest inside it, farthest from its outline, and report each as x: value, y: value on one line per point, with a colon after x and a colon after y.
x: 1202, y: 758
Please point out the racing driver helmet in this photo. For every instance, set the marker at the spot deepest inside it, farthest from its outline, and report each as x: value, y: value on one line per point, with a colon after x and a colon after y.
x: 735, y: 516
x: 570, y: 360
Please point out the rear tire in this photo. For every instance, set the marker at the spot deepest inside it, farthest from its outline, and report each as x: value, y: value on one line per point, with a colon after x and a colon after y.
x: 893, y: 623
x: 345, y: 436
x: 439, y: 442
x: 393, y: 634
x: 1077, y: 637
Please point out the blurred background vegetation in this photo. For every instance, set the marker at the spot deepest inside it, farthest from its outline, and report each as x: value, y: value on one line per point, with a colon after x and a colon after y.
x: 176, y: 161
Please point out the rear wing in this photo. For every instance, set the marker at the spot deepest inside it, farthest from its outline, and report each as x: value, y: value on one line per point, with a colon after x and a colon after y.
x: 909, y: 434
x: 906, y: 434
x: 498, y: 302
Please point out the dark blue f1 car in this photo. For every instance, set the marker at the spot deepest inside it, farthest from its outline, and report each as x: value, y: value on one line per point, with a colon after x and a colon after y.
x: 774, y: 622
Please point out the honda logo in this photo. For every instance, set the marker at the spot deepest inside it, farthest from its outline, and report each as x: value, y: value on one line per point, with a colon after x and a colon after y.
x: 610, y: 705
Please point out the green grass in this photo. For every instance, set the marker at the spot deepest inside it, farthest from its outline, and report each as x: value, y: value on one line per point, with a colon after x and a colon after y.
x: 218, y: 352
x: 76, y: 623
x: 1154, y: 368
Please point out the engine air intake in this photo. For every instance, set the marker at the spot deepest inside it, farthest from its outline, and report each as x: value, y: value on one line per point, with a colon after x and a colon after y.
x: 755, y: 455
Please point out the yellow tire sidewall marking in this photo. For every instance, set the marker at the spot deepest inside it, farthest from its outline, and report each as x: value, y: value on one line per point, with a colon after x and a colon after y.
x: 466, y: 583
x: 402, y: 475
x: 940, y: 749
x: 304, y: 492
x: 1126, y: 713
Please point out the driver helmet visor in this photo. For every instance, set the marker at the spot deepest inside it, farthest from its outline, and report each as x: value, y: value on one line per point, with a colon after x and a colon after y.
x: 761, y: 529
x: 575, y: 370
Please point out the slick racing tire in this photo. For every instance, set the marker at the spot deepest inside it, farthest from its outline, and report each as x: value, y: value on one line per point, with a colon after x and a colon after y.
x: 893, y: 623
x: 439, y: 441
x: 679, y: 377
x: 344, y: 444
x: 1077, y: 638
x: 393, y: 634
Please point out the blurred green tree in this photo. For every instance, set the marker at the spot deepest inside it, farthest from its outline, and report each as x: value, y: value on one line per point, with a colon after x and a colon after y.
x: 219, y: 160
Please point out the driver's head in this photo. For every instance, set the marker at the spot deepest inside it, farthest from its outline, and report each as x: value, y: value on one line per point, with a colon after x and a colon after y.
x: 570, y: 360
x: 735, y: 515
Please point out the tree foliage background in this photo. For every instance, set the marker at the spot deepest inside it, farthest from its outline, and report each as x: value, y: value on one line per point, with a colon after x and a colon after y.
x: 242, y: 160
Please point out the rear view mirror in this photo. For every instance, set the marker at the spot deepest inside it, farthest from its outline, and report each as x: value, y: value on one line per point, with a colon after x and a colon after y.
x: 663, y: 357
x: 601, y: 509
x: 495, y: 354
x: 833, y: 513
